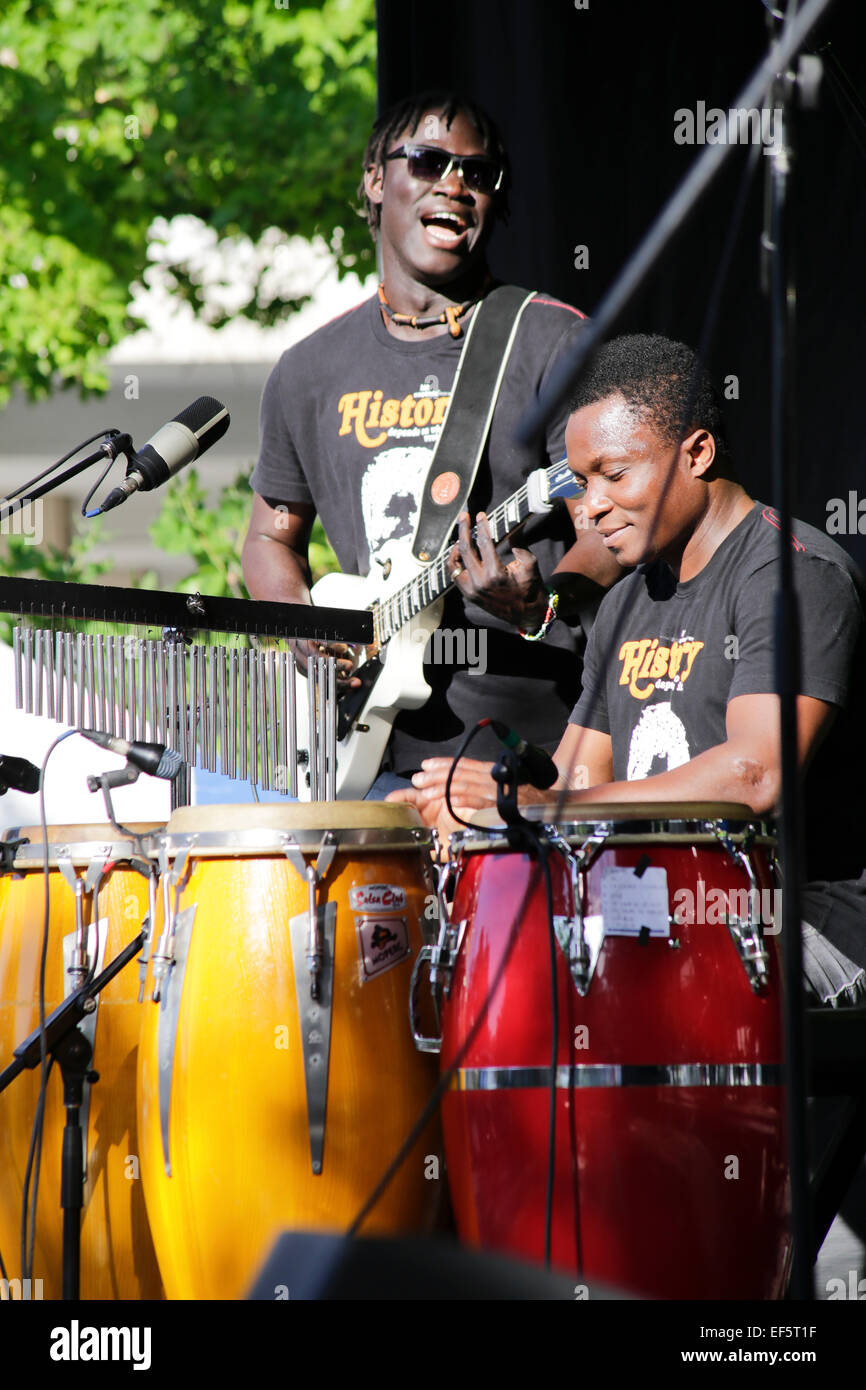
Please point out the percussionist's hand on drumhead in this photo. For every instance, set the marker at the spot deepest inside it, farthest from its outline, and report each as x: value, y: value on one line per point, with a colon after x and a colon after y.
x: 471, y: 787
x: 345, y: 654
x: 513, y: 592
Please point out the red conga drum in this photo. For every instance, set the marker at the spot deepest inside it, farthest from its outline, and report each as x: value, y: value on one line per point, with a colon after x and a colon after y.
x: 670, y: 1177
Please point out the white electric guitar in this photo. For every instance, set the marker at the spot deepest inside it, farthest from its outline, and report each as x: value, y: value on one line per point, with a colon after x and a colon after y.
x: 405, y: 597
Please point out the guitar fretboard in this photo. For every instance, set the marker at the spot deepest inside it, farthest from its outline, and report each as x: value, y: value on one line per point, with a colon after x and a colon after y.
x: 434, y: 581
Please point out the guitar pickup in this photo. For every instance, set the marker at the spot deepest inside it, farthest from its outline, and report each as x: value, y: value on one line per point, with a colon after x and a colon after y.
x: 349, y: 706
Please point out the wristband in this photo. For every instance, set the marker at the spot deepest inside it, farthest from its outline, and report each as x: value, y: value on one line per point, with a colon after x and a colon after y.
x: 552, y: 604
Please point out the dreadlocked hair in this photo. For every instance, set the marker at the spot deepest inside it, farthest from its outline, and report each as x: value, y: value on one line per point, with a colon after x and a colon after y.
x: 661, y: 380
x: 406, y: 116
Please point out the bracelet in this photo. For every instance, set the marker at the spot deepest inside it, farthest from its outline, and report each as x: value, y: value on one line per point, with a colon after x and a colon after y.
x: 552, y: 605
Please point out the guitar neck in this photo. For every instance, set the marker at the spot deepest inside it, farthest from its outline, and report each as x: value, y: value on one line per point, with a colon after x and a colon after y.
x: 434, y: 581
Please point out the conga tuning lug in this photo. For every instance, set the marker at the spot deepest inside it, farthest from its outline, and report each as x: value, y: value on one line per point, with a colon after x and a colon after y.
x: 749, y: 942
x: 314, y: 1015
x: 580, y: 954
x: 426, y: 956
x: 169, y: 1013
x: 8, y: 851
x: 747, y: 935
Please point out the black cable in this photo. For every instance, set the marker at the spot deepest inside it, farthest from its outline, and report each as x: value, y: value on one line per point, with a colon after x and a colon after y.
x: 446, y: 1077
x: 467, y: 739
x: 99, y: 481
x: 101, y: 434
x: 28, y: 1212
x: 44, y: 1069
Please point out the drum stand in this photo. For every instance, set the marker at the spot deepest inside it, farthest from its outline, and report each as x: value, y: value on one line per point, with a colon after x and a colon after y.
x: 73, y: 1053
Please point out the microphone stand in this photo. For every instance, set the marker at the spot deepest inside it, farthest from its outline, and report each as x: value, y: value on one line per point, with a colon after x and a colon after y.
x: 73, y: 1053
x: 112, y: 446
x: 778, y: 284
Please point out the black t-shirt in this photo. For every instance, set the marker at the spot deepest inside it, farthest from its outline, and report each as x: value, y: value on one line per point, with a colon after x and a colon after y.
x: 676, y: 654
x: 349, y: 420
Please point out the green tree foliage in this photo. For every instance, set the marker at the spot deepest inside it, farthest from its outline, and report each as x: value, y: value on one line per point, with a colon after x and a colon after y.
x: 246, y: 113
x: 212, y: 535
x: 20, y: 558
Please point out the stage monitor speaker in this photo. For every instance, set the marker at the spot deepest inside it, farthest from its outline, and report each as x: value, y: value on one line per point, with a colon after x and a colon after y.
x: 309, y: 1265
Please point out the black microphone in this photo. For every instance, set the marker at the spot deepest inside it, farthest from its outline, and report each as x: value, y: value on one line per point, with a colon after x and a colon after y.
x: 540, y: 769
x: 183, y: 439
x: 19, y: 774
x: 153, y: 758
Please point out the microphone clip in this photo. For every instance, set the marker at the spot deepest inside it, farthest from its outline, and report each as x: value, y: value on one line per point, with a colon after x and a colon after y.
x: 116, y: 444
x: 509, y: 774
x: 118, y: 777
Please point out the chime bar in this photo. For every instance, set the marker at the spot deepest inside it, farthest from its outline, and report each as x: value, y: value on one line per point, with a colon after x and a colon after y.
x: 154, y: 607
x: 222, y: 709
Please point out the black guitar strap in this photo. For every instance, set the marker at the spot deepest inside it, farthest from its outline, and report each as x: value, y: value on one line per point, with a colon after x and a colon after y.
x: 489, y: 340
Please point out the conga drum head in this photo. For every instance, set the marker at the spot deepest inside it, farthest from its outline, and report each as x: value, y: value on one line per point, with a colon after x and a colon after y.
x: 79, y: 843
x: 244, y: 829
x: 657, y: 816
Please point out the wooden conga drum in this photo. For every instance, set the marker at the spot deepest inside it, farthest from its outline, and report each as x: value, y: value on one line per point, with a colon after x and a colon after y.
x: 117, y: 1256
x: 277, y: 1076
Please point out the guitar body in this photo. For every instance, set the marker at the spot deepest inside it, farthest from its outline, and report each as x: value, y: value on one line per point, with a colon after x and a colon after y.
x: 400, y: 683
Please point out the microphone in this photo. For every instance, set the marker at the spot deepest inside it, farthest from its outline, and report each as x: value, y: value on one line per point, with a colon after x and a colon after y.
x: 539, y: 768
x: 19, y: 774
x: 153, y: 758
x: 176, y: 444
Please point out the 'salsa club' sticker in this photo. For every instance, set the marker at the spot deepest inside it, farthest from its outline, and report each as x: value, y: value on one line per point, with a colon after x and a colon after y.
x: 378, y: 897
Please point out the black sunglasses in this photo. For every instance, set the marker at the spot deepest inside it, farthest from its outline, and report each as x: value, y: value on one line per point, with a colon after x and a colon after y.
x: 432, y: 164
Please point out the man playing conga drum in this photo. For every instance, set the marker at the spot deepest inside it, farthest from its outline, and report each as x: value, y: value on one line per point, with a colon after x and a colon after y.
x: 678, y: 697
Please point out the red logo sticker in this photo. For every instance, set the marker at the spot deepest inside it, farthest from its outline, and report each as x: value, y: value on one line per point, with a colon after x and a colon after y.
x: 378, y: 897
x: 445, y: 488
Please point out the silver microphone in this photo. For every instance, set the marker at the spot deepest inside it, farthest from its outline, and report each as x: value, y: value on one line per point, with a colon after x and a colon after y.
x: 176, y: 444
x: 153, y: 758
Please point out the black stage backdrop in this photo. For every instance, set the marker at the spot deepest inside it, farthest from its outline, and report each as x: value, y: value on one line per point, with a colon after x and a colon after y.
x: 586, y: 101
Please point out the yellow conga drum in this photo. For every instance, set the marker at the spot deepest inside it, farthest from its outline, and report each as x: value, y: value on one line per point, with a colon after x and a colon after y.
x: 117, y: 1256
x: 277, y: 1074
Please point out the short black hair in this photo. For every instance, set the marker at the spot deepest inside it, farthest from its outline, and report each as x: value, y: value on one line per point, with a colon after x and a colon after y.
x: 661, y: 380
x: 405, y: 115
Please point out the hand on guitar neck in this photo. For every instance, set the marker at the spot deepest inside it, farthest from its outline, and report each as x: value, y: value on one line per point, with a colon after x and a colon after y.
x: 513, y: 592
x: 516, y: 592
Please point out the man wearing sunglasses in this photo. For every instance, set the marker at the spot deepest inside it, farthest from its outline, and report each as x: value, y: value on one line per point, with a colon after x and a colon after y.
x: 350, y: 418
